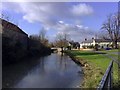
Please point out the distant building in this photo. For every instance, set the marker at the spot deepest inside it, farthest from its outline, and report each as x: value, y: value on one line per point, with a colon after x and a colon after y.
x: 13, y: 32
x: 102, y: 43
x: 74, y: 45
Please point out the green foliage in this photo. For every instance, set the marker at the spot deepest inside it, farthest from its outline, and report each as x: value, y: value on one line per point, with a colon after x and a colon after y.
x: 91, y: 46
x: 84, y: 46
x: 36, y: 47
x: 96, y: 47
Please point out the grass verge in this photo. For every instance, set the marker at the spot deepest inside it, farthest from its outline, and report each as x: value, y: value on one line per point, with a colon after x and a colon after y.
x: 94, y: 66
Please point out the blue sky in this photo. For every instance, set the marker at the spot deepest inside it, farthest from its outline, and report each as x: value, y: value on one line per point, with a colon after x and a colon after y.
x: 78, y: 19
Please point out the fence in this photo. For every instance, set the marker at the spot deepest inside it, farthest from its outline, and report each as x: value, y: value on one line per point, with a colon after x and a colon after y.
x: 106, y: 82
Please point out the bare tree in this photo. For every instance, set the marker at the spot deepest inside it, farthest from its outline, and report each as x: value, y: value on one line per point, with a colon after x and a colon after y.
x: 103, y: 35
x: 5, y: 16
x: 59, y: 40
x: 9, y: 18
x: 42, y: 36
x: 62, y: 40
x: 113, y: 28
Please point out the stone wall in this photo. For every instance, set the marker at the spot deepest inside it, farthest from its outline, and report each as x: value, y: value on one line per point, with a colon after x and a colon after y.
x: 14, y: 43
x: 16, y: 37
x: 13, y: 32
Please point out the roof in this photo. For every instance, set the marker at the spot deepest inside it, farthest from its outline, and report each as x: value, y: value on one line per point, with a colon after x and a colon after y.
x: 87, y: 41
x: 11, y: 26
x: 103, y: 40
x: 98, y: 40
x: 72, y: 42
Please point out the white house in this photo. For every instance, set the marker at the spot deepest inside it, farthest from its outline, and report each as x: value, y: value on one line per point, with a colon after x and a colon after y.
x: 102, y: 43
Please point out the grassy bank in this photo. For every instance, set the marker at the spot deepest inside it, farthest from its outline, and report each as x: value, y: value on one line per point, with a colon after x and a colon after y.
x: 115, y: 55
x: 94, y: 66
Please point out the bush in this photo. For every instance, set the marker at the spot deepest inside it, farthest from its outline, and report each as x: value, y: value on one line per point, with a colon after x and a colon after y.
x: 96, y: 47
x: 84, y: 46
x: 91, y: 46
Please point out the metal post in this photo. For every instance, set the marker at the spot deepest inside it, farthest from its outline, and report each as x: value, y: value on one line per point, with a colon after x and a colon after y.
x: 106, y: 81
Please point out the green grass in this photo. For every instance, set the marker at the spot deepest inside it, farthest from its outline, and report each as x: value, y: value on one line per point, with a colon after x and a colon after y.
x: 115, y: 65
x: 112, y: 50
x: 95, y: 66
x: 93, y: 58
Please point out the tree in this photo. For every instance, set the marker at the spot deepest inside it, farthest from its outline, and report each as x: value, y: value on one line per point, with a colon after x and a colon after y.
x: 42, y: 37
x: 5, y: 16
x: 62, y: 40
x: 42, y: 34
x: 9, y: 18
x: 113, y: 28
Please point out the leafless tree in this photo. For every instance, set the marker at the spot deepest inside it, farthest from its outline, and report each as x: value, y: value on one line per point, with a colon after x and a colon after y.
x: 42, y: 36
x: 103, y: 34
x: 5, y: 16
x: 112, y: 26
x: 9, y: 18
x: 62, y: 40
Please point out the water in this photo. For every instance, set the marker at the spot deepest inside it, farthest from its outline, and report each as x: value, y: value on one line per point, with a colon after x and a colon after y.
x: 53, y: 71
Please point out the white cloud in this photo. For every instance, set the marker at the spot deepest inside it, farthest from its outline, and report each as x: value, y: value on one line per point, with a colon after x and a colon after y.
x: 53, y: 15
x: 82, y: 9
x: 79, y: 26
x: 76, y: 32
x: 50, y: 12
x: 61, y: 22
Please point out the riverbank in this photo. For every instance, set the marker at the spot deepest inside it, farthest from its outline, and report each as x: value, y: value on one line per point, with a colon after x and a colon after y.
x: 94, y: 66
x: 13, y: 55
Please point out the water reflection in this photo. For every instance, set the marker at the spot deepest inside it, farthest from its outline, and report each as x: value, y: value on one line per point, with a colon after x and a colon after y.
x: 14, y: 73
x: 54, y: 71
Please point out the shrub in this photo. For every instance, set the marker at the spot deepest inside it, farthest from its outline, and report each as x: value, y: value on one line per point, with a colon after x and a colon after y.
x: 91, y: 46
x: 84, y: 46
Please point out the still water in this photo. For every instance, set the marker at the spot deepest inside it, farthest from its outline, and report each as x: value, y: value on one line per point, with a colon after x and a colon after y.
x: 54, y: 71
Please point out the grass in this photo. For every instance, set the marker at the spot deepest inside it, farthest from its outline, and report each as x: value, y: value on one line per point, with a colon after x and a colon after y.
x: 115, y: 65
x: 94, y: 66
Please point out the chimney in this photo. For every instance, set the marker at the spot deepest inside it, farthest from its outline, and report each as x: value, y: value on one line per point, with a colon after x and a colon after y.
x: 92, y: 38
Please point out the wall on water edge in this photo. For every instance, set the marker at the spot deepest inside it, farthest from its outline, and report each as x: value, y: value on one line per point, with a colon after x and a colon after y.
x: 16, y: 45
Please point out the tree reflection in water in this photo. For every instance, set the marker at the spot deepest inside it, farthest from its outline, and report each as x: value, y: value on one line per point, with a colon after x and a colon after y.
x: 54, y: 71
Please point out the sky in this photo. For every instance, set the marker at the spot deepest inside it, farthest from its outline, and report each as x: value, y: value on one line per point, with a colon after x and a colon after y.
x: 79, y: 20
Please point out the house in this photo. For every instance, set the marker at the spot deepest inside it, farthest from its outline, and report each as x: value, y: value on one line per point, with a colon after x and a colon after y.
x: 74, y: 45
x: 102, y: 43
x: 14, y: 33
